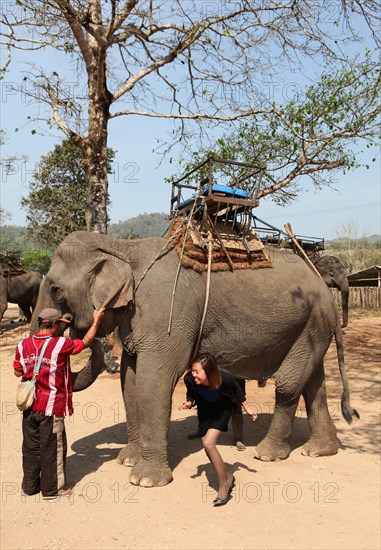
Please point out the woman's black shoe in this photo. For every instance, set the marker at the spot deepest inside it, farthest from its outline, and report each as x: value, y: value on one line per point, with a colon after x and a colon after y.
x: 220, y: 501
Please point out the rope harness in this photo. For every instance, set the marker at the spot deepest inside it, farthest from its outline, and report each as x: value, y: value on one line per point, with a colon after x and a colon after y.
x: 207, y: 292
x: 210, y: 255
x: 188, y: 226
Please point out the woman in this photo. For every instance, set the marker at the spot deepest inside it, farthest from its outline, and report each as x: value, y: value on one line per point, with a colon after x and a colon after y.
x: 215, y: 393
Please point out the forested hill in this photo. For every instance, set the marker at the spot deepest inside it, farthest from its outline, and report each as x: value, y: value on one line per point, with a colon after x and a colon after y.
x: 13, y: 237
x: 144, y: 225
x: 16, y: 238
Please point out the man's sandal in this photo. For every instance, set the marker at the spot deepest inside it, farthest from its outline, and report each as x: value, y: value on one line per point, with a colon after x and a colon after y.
x: 61, y: 493
x: 240, y: 446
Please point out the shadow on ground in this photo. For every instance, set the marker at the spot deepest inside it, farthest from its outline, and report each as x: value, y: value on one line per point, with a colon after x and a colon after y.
x: 92, y: 451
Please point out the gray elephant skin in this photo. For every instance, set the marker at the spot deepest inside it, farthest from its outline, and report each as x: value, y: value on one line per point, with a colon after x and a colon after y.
x: 20, y: 289
x: 263, y: 322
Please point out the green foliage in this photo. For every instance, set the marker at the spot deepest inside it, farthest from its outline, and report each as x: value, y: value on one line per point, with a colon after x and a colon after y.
x: 315, y: 134
x: 57, y: 200
x: 37, y: 260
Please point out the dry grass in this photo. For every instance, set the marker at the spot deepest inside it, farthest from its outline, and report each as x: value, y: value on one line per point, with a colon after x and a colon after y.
x: 360, y: 312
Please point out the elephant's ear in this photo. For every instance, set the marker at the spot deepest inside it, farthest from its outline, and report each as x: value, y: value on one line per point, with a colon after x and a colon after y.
x: 113, y: 283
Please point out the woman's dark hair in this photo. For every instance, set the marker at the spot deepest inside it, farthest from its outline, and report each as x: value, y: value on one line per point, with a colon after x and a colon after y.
x: 209, y: 364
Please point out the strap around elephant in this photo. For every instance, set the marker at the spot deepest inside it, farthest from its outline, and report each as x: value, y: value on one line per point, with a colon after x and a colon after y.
x: 39, y: 360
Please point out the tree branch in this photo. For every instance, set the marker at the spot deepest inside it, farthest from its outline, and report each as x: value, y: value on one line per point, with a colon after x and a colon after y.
x: 193, y: 116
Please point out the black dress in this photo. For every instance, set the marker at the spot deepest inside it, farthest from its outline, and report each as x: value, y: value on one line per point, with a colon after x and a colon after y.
x: 214, y: 407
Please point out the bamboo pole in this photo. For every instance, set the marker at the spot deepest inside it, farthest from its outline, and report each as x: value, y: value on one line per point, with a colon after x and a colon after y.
x: 290, y: 233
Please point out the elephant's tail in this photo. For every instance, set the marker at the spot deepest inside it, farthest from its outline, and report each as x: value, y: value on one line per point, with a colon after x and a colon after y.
x: 347, y: 411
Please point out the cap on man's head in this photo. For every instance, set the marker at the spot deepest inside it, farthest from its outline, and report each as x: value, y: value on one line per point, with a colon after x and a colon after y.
x: 50, y: 314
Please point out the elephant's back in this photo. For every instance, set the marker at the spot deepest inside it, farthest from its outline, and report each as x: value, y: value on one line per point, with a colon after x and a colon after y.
x: 282, y: 296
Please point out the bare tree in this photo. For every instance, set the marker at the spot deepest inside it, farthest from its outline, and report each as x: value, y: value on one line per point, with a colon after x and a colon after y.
x: 4, y: 216
x: 181, y: 60
x: 355, y: 249
x: 7, y: 164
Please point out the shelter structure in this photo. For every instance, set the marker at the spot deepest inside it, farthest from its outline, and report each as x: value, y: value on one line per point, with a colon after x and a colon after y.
x: 370, y: 276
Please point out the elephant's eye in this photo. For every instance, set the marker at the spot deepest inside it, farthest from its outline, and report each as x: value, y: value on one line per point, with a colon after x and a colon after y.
x: 57, y: 293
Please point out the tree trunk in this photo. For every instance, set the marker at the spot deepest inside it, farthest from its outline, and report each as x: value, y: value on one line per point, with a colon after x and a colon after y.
x: 95, y: 145
x: 96, y: 162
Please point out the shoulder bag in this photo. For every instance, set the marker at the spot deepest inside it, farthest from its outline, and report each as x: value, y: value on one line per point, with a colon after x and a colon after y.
x: 25, y: 389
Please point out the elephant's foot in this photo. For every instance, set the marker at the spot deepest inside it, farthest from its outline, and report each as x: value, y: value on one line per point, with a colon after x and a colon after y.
x: 129, y: 455
x: 146, y: 474
x: 321, y: 447
x: 268, y: 450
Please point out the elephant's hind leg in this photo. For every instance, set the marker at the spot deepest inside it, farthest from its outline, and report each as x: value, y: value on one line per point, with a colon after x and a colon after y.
x: 295, y: 375
x: 323, y: 440
x: 276, y: 444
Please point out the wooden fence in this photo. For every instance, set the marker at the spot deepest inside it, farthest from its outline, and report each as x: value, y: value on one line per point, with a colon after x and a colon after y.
x: 361, y: 296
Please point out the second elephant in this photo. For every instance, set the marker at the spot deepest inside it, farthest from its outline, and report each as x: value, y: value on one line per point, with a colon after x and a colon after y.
x: 21, y: 289
x: 333, y: 274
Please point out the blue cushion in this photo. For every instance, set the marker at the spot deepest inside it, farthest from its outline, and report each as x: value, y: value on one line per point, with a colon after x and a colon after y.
x: 216, y: 188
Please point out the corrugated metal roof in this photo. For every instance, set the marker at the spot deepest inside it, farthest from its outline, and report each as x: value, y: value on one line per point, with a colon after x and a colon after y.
x: 369, y: 276
x: 366, y: 273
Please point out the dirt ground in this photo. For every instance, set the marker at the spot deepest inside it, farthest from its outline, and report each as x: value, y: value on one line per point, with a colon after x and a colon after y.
x: 300, y: 503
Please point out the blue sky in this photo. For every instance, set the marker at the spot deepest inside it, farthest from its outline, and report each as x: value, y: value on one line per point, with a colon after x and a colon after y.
x: 138, y: 185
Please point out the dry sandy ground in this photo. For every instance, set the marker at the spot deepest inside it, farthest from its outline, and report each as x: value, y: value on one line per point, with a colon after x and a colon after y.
x: 307, y: 503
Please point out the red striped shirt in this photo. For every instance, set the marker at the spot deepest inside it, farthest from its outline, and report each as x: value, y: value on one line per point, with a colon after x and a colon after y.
x: 53, y: 390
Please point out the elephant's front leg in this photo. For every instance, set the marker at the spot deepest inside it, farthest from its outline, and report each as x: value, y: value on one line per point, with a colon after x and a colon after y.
x: 130, y: 454
x: 3, y: 306
x: 24, y: 309
x: 154, y: 388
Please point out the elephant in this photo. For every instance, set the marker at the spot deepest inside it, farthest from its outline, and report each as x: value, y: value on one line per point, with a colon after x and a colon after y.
x: 333, y: 274
x: 21, y: 289
x: 277, y: 320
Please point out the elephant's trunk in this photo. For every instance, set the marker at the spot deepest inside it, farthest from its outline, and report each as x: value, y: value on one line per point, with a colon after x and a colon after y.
x: 33, y: 328
x: 85, y: 377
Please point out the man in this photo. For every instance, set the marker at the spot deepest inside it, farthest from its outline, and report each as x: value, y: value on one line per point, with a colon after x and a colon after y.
x: 44, y: 445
